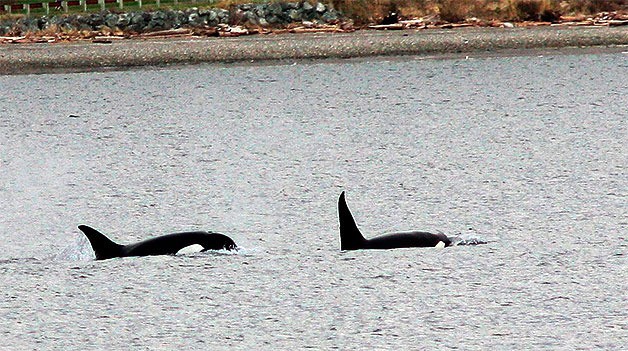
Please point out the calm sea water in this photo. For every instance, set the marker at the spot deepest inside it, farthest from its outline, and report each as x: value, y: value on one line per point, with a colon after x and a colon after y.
x: 526, y: 153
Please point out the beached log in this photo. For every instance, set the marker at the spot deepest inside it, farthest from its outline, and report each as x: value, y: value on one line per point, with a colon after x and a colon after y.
x: 455, y: 25
x: 394, y: 26
x: 229, y: 31
x: 168, y: 33
x: 106, y: 39
x: 414, y: 23
x: 573, y: 24
x: 11, y: 39
x: 617, y: 23
x: 318, y: 29
x: 205, y: 32
x: 101, y: 40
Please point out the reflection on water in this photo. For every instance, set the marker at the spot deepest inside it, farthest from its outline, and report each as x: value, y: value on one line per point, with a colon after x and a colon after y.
x: 526, y: 154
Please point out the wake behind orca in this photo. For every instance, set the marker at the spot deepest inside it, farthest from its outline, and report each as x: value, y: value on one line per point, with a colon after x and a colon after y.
x: 168, y: 244
x: 352, y: 239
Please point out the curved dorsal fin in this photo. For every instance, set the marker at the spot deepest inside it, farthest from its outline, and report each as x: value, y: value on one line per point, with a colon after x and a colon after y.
x: 350, y: 236
x: 103, y: 247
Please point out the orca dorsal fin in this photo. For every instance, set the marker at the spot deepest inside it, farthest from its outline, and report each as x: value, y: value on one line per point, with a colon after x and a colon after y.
x: 350, y: 236
x: 103, y: 247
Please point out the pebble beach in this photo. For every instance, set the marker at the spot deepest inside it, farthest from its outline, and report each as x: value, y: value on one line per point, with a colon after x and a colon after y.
x: 128, y: 53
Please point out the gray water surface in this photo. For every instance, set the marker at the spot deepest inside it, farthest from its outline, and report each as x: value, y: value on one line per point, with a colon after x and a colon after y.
x: 526, y: 153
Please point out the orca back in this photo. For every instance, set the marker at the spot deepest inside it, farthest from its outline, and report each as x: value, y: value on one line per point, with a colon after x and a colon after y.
x: 352, y: 239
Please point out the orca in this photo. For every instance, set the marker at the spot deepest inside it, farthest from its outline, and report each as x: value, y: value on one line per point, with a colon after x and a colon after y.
x: 169, y: 244
x: 352, y: 239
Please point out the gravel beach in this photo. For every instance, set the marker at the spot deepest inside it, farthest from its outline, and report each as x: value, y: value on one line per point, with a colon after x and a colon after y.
x: 127, y: 53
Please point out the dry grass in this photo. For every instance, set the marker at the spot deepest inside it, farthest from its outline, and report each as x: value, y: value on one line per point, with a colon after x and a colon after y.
x: 528, y: 10
x: 365, y: 11
x: 595, y: 6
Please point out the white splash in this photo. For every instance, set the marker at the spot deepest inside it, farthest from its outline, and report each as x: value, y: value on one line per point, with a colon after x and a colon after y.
x: 78, y: 250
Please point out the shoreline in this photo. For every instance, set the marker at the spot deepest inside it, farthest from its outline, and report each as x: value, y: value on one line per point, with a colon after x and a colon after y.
x: 85, y: 56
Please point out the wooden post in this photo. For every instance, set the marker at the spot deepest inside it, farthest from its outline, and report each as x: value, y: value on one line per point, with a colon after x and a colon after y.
x: 46, y: 7
x: 121, y: 3
x: 27, y: 7
x: 102, y: 4
x: 84, y: 3
x: 7, y: 8
x: 157, y: 1
x: 64, y: 5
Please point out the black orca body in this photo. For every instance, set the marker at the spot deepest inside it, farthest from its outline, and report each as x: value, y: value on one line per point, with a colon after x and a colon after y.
x: 352, y: 239
x: 169, y: 244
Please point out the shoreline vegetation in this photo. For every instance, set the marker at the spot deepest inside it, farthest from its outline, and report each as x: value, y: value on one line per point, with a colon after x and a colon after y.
x: 243, y: 17
x: 456, y: 11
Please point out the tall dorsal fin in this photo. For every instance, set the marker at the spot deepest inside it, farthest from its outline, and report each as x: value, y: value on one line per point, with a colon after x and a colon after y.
x: 350, y: 236
x: 103, y: 247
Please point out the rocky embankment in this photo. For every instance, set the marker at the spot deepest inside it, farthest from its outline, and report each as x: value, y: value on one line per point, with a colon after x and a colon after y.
x: 276, y: 14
